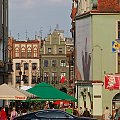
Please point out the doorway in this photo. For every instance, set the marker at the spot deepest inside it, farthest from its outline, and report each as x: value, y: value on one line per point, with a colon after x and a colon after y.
x: 115, y: 103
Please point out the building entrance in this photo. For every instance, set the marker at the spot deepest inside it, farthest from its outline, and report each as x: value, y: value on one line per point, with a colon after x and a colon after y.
x: 115, y: 103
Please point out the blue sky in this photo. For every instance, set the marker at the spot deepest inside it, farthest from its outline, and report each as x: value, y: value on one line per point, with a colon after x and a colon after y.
x: 34, y: 16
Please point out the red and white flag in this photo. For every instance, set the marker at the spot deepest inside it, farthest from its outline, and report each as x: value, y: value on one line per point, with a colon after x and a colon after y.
x: 112, y: 82
x: 63, y: 79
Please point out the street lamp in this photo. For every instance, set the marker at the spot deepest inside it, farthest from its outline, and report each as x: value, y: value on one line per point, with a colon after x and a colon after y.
x: 22, y: 79
x: 38, y: 75
x: 22, y: 73
x: 9, y: 63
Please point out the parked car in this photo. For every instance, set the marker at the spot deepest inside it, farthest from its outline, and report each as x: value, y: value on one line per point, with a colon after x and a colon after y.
x: 51, y: 115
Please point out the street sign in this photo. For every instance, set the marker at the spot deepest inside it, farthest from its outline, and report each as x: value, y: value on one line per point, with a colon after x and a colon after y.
x: 116, y: 46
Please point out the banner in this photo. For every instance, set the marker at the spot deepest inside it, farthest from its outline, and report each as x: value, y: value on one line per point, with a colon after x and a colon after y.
x: 112, y: 82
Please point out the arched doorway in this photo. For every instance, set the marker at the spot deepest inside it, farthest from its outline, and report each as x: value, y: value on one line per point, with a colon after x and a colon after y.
x: 115, y: 103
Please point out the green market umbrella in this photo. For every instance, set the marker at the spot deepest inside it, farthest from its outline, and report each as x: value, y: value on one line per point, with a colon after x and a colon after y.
x: 48, y: 93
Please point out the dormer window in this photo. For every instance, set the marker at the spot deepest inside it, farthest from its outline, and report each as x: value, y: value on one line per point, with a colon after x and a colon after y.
x: 49, y: 50
x: 60, y: 50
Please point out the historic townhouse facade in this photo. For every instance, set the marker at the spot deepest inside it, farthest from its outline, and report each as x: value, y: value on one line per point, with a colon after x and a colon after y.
x: 96, y: 29
x: 54, y: 60
x: 46, y: 60
x: 25, y: 57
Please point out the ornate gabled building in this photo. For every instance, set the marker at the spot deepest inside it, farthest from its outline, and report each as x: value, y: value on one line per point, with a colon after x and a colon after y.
x: 55, y: 60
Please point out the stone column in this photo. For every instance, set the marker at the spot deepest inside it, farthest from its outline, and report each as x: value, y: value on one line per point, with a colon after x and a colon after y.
x: 97, y: 99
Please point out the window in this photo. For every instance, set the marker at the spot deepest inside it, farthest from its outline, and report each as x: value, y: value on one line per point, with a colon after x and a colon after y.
x: 54, y: 63
x: 34, y: 79
x: 46, y: 77
x: 26, y: 79
x: 23, y: 54
x: 63, y: 74
x: 25, y: 66
x: 54, y: 78
x: 118, y: 29
x: 49, y: 50
x: 17, y: 66
x: 35, y: 52
x: 29, y: 53
x: 34, y: 66
x: 62, y: 63
x: 119, y: 53
x: 45, y: 63
x: 17, y: 52
x: 18, y: 79
x: 60, y: 50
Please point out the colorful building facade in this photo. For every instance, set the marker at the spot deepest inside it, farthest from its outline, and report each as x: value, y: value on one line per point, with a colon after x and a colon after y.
x: 95, y: 29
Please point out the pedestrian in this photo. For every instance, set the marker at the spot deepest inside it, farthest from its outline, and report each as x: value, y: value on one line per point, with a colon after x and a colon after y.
x: 117, y: 114
x: 13, y: 114
x: 106, y: 114
x: 81, y: 112
x: 46, y: 106
x: 69, y: 110
x: 75, y: 111
x: 86, y: 113
x: 3, y: 114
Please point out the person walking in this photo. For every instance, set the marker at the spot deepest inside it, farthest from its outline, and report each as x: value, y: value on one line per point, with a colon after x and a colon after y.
x: 81, y: 112
x: 106, y: 114
x: 13, y: 114
x: 3, y: 114
x: 86, y: 113
x: 117, y: 114
x: 69, y: 110
x: 75, y: 111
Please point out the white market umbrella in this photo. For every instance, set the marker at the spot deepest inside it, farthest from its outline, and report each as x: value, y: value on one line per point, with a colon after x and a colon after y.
x: 8, y: 92
x: 25, y: 87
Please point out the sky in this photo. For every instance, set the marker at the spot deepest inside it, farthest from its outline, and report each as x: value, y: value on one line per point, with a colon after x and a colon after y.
x: 28, y: 18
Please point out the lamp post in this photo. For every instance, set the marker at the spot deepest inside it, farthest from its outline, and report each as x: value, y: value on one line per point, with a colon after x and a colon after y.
x: 22, y: 74
x: 9, y: 64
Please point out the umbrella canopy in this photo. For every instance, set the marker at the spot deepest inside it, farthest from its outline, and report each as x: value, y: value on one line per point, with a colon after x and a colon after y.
x: 47, y: 92
x: 10, y: 93
x: 58, y: 102
x: 25, y: 87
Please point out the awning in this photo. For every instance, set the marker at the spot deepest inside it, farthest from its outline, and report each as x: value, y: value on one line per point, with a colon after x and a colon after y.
x: 47, y: 92
x: 8, y: 92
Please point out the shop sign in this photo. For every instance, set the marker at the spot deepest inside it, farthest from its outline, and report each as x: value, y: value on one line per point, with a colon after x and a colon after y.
x: 112, y: 82
x: 20, y: 98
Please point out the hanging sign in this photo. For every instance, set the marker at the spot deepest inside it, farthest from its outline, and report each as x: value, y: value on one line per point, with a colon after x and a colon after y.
x: 112, y: 82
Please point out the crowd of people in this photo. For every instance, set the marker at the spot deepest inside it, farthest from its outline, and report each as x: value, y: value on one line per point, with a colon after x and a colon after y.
x: 11, y: 112
x: 71, y: 110
x: 4, y: 115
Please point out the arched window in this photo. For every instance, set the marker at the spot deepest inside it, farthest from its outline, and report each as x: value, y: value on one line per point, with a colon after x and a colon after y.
x: 17, y: 52
x: 23, y: 55
x: 35, y: 53
x: 29, y: 52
